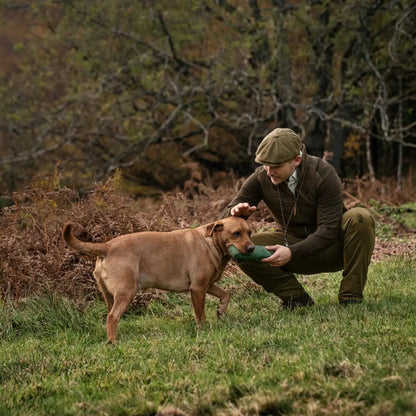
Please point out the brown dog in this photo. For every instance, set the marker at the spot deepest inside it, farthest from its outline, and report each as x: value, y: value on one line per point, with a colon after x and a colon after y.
x: 180, y: 261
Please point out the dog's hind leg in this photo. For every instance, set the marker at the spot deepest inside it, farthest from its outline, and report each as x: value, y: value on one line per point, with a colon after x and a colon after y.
x: 224, y: 297
x: 99, y: 275
x: 122, y: 301
x: 108, y: 297
x: 117, y: 283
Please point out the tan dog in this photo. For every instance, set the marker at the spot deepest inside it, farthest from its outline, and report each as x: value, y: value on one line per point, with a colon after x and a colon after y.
x: 180, y: 261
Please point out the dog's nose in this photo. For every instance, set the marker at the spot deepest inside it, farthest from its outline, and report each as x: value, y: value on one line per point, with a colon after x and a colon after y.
x: 250, y: 248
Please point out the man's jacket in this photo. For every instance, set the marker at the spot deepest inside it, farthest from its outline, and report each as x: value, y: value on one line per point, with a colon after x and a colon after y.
x: 319, y: 207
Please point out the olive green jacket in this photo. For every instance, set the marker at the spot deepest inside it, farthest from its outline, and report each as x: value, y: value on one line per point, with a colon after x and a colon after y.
x: 319, y: 210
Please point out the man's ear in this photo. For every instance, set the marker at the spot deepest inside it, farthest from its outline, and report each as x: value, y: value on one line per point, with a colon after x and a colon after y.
x: 213, y: 227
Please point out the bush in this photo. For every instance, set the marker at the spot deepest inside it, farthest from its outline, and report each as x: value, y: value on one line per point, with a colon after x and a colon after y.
x: 34, y: 259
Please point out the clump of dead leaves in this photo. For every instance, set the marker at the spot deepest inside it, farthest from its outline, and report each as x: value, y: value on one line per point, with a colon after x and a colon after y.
x: 34, y: 259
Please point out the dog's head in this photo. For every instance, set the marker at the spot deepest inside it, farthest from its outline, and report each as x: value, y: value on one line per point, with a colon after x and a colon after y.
x: 231, y: 231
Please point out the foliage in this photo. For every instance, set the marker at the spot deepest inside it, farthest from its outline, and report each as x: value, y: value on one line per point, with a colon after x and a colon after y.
x: 408, y: 212
x: 34, y: 259
x: 395, y: 218
x: 326, y: 359
x: 151, y: 86
x: 33, y: 255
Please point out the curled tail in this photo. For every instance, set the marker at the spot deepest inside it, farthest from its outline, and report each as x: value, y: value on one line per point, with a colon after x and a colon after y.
x: 92, y: 249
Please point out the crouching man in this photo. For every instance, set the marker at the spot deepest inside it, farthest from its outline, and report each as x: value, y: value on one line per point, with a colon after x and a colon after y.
x: 316, y: 234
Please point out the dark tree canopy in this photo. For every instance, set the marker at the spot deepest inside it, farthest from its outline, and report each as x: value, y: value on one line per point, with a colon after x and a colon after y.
x: 151, y: 86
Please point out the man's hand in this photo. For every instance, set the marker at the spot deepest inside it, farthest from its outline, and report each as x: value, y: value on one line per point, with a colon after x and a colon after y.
x: 280, y: 257
x: 243, y: 209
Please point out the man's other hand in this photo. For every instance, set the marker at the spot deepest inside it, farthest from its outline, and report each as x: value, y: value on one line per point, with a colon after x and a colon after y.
x: 243, y: 209
x: 280, y: 257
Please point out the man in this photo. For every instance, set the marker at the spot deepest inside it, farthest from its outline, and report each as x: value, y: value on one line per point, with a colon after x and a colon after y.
x: 316, y: 234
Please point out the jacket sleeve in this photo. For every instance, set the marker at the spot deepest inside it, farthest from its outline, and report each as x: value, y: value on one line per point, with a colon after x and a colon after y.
x: 250, y: 192
x: 329, y: 211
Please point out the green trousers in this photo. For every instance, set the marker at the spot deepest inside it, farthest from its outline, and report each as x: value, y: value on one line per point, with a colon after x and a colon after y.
x: 351, y: 253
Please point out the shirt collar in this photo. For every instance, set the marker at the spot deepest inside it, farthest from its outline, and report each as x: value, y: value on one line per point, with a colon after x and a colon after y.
x: 293, y: 177
x: 292, y: 181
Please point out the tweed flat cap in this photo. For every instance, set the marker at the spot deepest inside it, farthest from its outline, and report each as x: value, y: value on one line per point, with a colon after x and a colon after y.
x: 278, y: 147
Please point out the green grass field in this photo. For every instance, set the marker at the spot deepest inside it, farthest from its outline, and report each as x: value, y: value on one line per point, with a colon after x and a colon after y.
x: 323, y: 360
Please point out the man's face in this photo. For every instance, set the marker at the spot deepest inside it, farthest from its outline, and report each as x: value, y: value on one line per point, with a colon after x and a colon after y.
x: 280, y: 173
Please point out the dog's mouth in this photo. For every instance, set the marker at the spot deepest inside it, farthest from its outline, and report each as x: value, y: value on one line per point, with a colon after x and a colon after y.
x: 255, y: 253
x: 247, y: 249
x: 233, y: 252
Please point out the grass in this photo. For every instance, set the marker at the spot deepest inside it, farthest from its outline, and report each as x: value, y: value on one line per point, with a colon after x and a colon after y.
x: 323, y: 360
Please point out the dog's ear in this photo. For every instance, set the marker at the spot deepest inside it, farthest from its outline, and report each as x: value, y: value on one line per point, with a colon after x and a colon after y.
x: 215, y: 226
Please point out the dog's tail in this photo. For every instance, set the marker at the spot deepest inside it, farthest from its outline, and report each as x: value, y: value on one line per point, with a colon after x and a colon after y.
x: 92, y: 249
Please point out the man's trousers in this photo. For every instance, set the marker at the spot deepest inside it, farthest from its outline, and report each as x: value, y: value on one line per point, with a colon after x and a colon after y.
x: 351, y: 253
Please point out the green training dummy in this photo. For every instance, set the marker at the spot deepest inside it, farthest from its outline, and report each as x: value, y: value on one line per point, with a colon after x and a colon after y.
x: 259, y: 252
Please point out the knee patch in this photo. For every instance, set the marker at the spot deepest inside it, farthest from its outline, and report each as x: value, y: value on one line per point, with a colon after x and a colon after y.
x: 267, y: 238
x: 358, y: 217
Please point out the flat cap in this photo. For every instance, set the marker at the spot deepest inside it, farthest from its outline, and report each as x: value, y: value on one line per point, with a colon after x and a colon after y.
x: 278, y: 147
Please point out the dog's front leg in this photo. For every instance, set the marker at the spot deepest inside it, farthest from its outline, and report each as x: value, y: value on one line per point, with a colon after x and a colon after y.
x: 198, y: 303
x: 224, y: 297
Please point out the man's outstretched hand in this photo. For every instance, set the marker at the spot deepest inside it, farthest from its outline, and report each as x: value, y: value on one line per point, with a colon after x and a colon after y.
x: 243, y: 209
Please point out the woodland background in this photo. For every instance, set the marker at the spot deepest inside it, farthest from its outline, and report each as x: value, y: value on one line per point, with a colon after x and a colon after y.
x: 173, y: 92
x: 105, y: 105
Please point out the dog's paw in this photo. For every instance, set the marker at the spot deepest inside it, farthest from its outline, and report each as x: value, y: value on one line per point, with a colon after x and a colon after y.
x: 221, y: 311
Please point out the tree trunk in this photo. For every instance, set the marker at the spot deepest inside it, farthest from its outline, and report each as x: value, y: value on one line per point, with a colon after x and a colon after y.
x: 369, y: 158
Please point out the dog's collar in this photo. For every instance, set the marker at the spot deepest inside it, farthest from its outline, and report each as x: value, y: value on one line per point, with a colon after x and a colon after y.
x: 216, y: 258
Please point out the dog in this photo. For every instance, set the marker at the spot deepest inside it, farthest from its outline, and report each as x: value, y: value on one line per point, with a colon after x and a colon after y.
x: 179, y: 261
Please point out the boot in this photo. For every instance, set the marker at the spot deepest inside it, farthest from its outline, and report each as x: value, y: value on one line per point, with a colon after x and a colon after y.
x: 291, y: 304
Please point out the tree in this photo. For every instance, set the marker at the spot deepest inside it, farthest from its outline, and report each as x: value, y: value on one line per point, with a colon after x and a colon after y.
x: 150, y: 86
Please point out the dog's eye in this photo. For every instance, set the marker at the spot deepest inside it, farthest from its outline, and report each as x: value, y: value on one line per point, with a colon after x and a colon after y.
x: 237, y: 234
